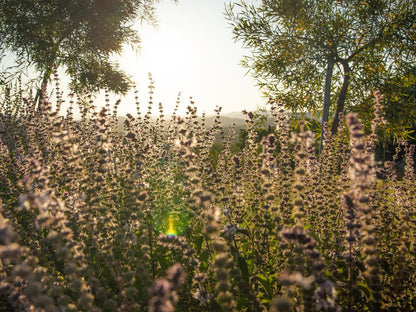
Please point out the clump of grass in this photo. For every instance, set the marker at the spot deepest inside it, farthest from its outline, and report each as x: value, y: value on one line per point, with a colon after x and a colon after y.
x: 147, y: 217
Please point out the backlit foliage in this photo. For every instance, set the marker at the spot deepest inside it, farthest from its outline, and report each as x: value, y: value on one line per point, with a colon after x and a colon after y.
x: 145, y: 219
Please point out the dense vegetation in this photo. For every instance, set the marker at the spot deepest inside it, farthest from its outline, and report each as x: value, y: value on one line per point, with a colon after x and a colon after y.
x: 149, y: 219
x: 327, y: 56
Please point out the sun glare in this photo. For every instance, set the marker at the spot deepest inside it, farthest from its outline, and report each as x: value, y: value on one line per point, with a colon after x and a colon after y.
x: 172, y: 58
x: 167, y: 55
x: 192, y: 54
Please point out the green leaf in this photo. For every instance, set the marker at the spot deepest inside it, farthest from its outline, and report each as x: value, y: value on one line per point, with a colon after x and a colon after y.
x: 365, y: 289
x: 198, y: 243
x: 243, y: 268
x: 265, y: 283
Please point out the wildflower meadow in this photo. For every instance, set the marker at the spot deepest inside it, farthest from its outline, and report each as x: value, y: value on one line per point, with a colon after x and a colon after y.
x: 147, y: 217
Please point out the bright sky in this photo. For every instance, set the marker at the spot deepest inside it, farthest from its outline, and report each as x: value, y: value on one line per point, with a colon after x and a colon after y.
x: 193, y: 52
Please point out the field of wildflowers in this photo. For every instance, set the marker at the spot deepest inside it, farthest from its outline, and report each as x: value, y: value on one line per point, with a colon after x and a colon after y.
x: 148, y: 219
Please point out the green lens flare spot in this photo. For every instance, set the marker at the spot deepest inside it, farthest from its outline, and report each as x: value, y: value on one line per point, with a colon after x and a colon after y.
x: 171, y: 224
x: 171, y: 228
x: 170, y: 211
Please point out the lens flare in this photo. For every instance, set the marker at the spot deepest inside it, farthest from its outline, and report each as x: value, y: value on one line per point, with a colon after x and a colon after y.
x: 171, y: 223
x: 170, y: 211
x: 171, y: 228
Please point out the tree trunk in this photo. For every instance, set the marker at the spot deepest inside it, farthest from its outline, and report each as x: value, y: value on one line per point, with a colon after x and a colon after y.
x: 327, y: 96
x: 342, y: 96
x: 41, y: 92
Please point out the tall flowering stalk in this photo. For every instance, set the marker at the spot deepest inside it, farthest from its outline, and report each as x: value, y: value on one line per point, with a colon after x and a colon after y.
x: 362, y: 178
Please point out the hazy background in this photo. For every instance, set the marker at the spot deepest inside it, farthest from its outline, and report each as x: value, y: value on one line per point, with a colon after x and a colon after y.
x: 192, y: 51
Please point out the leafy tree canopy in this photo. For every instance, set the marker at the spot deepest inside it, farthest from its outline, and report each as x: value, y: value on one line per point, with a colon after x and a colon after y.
x: 329, y: 55
x: 79, y: 35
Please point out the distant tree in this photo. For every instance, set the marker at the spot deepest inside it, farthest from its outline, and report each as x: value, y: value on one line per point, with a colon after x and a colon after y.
x: 399, y: 105
x: 327, y: 54
x: 78, y: 35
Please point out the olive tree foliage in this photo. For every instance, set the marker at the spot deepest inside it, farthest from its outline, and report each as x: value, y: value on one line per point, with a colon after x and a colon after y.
x: 79, y: 35
x: 327, y: 56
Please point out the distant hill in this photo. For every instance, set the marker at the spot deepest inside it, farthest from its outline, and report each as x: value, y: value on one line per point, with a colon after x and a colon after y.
x: 227, y: 120
x: 234, y: 115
